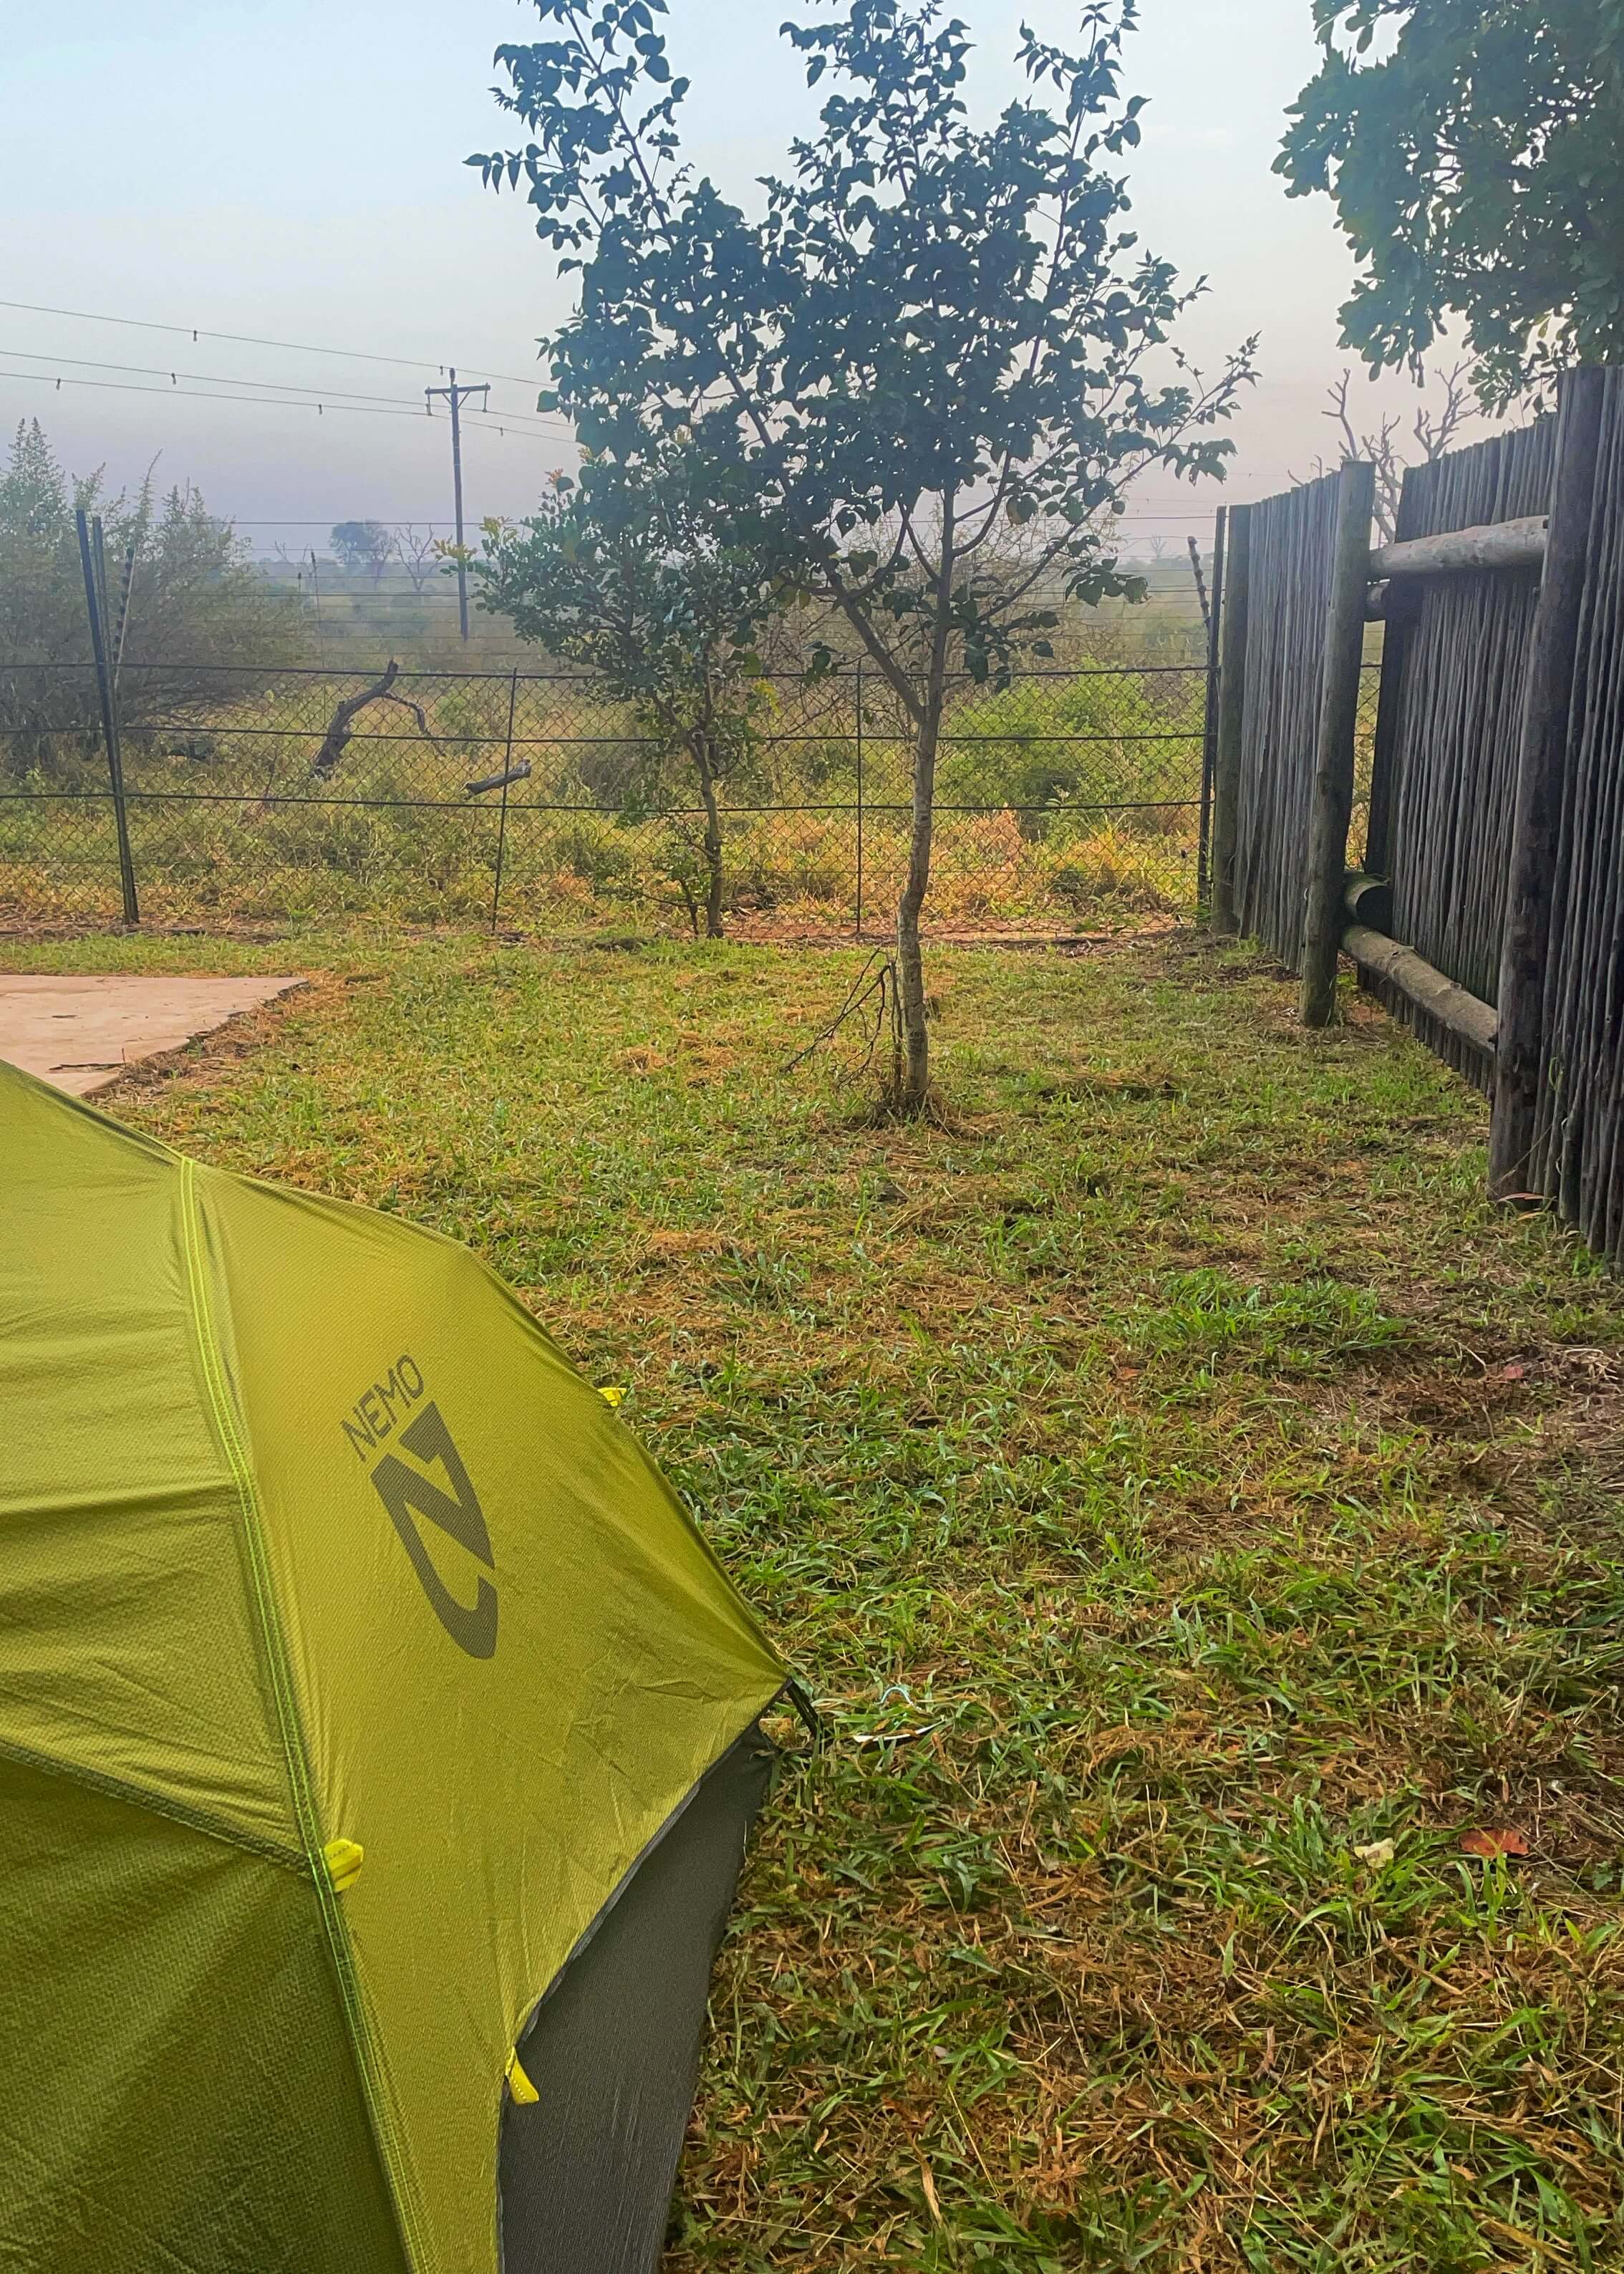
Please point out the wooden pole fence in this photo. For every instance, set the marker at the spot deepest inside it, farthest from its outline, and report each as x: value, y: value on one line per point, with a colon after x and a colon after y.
x: 1339, y: 718
x: 1541, y: 783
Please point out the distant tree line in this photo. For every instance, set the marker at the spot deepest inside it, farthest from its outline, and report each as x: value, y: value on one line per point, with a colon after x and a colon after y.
x: 202, y: 618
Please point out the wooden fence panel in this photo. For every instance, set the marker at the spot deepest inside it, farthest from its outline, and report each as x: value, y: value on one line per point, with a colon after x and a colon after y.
x: 1454, y: 664
x: 1578, y: 1159
x: 1292, y: 541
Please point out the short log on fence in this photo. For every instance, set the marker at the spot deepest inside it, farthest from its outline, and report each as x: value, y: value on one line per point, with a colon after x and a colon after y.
x: 1422, y: 985
x: 1368, y: 900
x: 1519, y: 543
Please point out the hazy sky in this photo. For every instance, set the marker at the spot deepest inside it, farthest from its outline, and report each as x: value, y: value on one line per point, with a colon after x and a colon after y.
x: 292, y: 168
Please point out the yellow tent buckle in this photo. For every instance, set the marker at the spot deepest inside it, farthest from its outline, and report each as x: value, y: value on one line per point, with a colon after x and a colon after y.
x: 523, y: 2091
x: 343, y: 1859
x: 613, y: 1393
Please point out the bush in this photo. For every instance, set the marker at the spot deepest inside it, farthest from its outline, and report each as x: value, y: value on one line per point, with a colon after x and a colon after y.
x: 199, y: 605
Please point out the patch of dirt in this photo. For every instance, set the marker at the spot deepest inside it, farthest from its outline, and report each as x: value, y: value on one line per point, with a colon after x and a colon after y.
x: 197, y: 1062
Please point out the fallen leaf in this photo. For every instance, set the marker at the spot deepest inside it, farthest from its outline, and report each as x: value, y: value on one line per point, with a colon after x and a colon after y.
x: 930, y: 2191
x: 1376, y: 1853
x: 1493, y: 1843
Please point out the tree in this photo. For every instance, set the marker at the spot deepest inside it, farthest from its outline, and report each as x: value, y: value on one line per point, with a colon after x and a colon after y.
x: 1434, y: 432
x: 1475, y: 154
x: 364, y: 547
x: 203, y: 620
x: 933, y: 328
x: 419, y: 556
x: 625, y: 574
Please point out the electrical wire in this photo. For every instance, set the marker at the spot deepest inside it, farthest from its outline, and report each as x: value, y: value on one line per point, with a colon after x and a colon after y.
x: 286, y: 387
x: 248, y: 339
x: 488, y: 421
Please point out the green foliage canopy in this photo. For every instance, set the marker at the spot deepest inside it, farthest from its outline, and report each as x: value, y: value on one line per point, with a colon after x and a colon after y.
x: 934, y: 328
x: 1476, y: 156
x: 935, y: 334
x: 625, y: 573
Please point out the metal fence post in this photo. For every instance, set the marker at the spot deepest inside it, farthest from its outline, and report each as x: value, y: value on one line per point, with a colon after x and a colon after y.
x: 1222, y: 914
x: 859, y: 800
x: 1209, y: 722
x: 501, y: 827
x: 109, y: 717
x: 1339, y: 718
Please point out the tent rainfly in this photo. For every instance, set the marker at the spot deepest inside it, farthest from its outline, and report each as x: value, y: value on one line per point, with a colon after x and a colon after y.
x: 379, y: 1742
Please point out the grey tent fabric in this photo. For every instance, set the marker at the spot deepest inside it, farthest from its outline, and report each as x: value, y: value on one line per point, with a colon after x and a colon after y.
x: 586, y: 2170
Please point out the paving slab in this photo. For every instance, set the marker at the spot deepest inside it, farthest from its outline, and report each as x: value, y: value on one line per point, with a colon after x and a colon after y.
x: 81, y: 1033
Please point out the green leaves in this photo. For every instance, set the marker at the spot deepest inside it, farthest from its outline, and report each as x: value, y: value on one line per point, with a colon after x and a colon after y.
x: 625, y: 572
x: 915, y: 382
x: 1474, y: 156
x: 905, y: 324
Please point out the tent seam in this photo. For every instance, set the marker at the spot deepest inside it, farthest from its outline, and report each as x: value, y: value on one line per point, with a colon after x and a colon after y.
x: 140, y: 1795
x: 291, y: 1732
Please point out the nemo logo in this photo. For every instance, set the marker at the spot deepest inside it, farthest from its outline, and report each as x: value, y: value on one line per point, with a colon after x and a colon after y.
x: 409, y: 1493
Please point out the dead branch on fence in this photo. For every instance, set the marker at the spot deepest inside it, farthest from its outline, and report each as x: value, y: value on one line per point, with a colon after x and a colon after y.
x: 340, y: 732
x: 521, y: 772
x: 335, y: 741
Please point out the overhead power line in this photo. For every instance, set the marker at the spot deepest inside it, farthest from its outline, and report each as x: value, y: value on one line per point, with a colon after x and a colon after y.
x: 333, y: 395
x: 249, y: 340
x: 494, y: 423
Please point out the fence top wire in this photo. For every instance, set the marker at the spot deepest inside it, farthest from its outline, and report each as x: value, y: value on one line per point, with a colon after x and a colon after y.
x: 847, y: 672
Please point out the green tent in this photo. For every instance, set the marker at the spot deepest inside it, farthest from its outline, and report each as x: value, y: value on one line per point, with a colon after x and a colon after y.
x: 378, y: 1745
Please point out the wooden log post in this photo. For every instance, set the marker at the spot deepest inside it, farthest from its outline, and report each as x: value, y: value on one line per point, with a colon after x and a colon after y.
x: 1339, y: 718
x: 1400, y: 616
x: 1541, y: 784
x: 1224, y: 920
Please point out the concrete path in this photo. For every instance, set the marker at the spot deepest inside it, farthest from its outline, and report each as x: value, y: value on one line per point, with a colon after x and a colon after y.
x: 81, y: 1033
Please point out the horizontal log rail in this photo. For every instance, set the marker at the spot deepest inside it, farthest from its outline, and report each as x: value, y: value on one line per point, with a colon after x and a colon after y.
x: 1452, y: 551
x: 1422, y: 985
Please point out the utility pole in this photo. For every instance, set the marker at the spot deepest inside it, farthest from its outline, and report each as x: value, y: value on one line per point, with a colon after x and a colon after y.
x: 453, y: 394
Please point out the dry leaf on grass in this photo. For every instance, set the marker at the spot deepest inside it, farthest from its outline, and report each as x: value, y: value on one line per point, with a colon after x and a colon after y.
x: 1493, y: 1843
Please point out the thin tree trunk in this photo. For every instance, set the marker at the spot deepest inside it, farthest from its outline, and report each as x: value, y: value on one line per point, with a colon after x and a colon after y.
x: 713, y: 841
x: 910, y: 959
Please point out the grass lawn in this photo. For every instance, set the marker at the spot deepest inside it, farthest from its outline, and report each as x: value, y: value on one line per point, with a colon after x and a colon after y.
x: 1195, y: 1511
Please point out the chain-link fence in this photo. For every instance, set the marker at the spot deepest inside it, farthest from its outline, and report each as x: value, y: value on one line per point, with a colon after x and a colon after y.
x: 1064, y: 800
